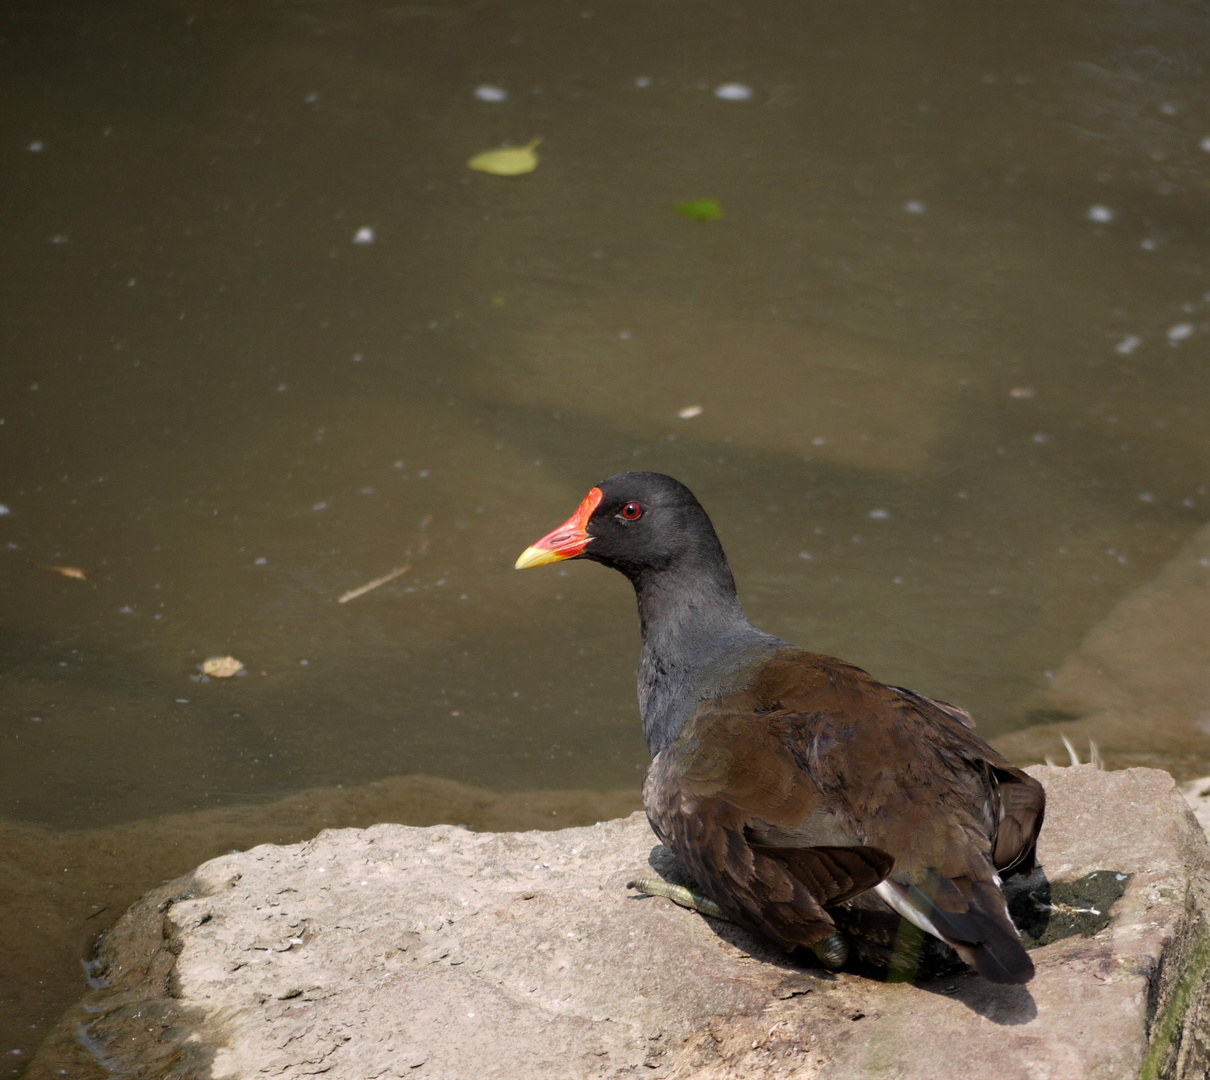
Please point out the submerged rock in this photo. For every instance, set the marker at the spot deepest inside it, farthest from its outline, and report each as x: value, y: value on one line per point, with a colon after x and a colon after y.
x: 438, y: 952
x: 843, y: 398
x: 1139, y: 684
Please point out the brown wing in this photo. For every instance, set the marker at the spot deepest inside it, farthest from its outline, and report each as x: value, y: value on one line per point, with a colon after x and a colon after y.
x: 744, y: 818
x: 912, y: 773
x: 814, y: 780
x: 956, y: 711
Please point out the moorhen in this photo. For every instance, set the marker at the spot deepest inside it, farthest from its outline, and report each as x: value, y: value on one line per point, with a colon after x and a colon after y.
x: 794, y: 785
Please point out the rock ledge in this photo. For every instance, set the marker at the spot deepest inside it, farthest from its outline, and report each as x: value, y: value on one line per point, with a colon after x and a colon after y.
x: 438, y: 952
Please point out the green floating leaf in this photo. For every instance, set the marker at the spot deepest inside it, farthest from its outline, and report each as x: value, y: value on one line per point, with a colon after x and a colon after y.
x: 700, y: 209
x: 507, y: 161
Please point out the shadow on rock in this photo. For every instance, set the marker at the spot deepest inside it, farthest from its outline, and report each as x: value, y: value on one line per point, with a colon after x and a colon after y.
x: 887, y: 948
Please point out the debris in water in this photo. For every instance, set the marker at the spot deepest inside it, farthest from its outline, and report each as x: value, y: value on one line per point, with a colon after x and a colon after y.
x: 221, y: 667
x: 699, y: 209
x: 507, y: 160
x: 67, y: 571
x: 361, y: 590
x: 733, y: 91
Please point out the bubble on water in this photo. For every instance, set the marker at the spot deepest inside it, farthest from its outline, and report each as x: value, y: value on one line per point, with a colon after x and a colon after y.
x: 1100, y: 213
x: 364, y: 235
x: 914, y: 206
x: 1128, y: 344
x: 733, y: 91
x: 491, y: 94
x: 1180, y: 331
x: 642, y: 82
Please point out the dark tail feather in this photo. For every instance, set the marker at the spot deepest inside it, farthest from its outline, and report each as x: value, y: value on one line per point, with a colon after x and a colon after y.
x: 972, y: 919
x: 984, y: 936
x: 1004, y: 961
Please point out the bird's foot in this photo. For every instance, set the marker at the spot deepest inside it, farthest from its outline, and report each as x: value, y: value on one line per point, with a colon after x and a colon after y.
x: 832, y: 951
x: 678, y: 894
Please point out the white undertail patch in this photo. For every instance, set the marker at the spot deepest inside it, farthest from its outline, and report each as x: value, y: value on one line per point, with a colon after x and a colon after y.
x: 900, y: 903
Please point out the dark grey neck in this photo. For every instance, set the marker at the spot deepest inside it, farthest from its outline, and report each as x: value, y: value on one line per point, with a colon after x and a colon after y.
x: 695, y: 634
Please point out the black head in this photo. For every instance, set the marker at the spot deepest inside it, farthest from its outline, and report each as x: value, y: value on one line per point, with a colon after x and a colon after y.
x: 637, y: 523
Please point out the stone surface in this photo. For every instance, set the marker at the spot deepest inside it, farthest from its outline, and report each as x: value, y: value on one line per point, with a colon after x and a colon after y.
x: 1139, y: 684
x: 438, y: 952
x: 1197, y: 794
x: 63, y: 888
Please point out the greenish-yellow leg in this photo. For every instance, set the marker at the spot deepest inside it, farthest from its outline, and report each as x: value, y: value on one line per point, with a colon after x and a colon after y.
x: 832, y: 952
x: 678, y: 894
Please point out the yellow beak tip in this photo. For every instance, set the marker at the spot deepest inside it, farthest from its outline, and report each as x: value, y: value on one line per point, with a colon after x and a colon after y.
x: 533, y: 556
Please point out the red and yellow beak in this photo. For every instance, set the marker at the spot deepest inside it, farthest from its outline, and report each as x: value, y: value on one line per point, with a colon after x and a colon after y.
x: 567, y: 541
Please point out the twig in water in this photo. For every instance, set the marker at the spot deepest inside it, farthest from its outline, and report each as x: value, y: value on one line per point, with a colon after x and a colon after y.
x: 361, y: 590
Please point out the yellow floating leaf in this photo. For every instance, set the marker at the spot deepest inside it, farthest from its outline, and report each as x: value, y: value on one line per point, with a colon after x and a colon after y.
x: 507, y: 161
x: 221, y: 667
x: 66, y: 571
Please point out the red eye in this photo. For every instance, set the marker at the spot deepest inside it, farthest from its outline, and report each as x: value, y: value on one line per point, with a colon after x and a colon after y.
x: 632, y: 511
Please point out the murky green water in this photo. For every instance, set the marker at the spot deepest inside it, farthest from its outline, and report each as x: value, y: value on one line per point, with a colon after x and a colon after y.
x: 948, y: 342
